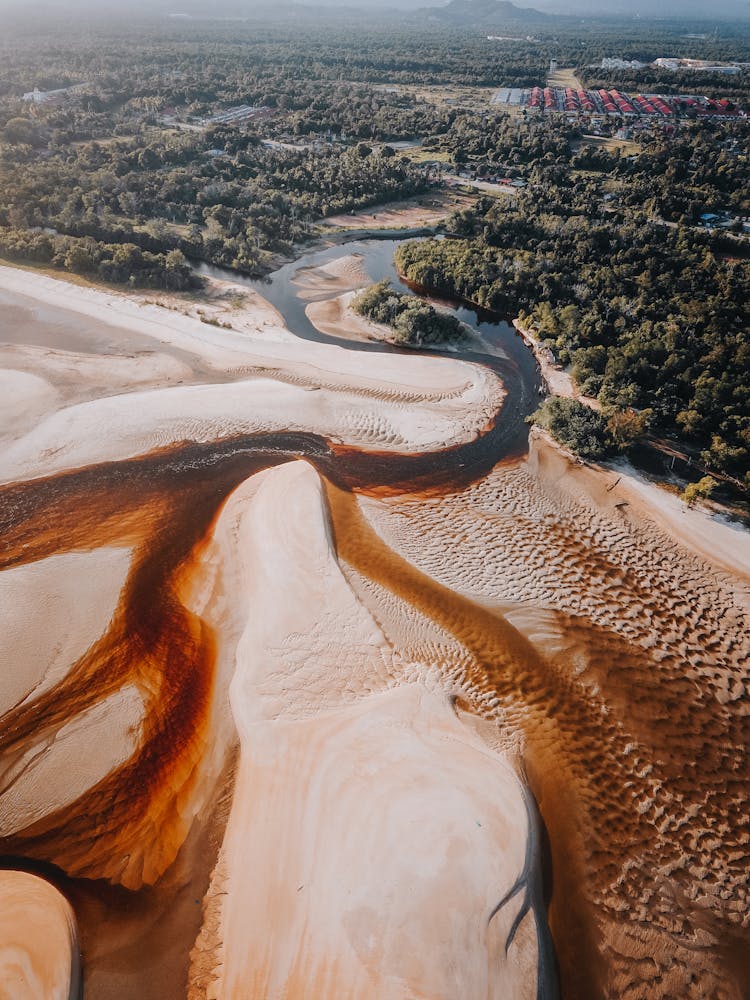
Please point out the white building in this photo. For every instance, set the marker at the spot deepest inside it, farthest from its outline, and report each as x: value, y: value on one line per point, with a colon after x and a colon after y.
x: 700, y: 65
x: 37, y: 96
x: 621, y: 64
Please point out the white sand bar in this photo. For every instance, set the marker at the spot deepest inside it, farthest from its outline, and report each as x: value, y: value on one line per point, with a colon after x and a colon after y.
x: 387, y: 401
x: 372, y: 834
x: 39, y: 957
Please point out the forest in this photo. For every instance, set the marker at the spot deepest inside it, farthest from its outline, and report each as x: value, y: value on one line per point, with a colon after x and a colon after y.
x: 219, y: 196
x: 651, y: 318
x: 604, y: 252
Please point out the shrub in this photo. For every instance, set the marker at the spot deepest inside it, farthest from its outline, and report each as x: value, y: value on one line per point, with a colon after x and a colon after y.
x: 574, y: 426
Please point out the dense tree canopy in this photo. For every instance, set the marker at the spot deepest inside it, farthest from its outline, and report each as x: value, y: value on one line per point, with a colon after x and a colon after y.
x: 651, y: 316
x: 413, y: 321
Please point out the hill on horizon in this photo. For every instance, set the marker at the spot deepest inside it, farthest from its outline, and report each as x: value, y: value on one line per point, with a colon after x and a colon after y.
x: 485, y: 13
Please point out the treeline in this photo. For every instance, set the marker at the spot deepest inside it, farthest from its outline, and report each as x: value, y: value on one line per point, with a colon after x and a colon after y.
x: 703, y: 168
x: 219, y: 196
x: 121, y: 264
x: 654, y: 79
x: 648, y: 316
x: 588, y: 432
x: 259, y: 56
x: 214, y: 60
x: 413, y: 321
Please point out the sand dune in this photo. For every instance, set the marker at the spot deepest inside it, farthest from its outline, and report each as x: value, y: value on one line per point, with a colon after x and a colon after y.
x: 38, y: 941
x: 362, y: 819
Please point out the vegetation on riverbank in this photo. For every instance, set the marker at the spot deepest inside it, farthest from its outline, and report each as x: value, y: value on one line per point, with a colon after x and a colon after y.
x: 588, y: 432
x: 113, y: 263
x: 412, y: 321
x: 651, y: 317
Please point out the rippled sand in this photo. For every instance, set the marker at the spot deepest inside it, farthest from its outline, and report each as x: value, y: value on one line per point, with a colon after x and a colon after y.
x: 298, y: 710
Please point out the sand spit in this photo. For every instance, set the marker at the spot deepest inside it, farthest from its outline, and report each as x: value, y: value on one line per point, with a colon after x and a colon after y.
x: 38, y: 941
x: 146, y: 319
x: 361, y: 820
x: 343, y: 274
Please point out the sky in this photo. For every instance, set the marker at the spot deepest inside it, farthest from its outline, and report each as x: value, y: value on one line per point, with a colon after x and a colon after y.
x: 643, y: 8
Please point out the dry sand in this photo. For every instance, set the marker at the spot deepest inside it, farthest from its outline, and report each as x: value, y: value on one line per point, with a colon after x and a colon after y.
x: 336, y: 318
x: 343, y: 274
x: 396, y: 403
x: 362, y: 820
x: 400, y: 676
x: 38, y: 941
x: 411, y: 214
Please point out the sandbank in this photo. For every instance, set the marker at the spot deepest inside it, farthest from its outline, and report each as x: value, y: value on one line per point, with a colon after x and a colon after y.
x: 427, y: 210
x: 336, y: 318
x: 39, y: 957
x: 643, y: 627
x: 402, y: 403
x: 361, y: 820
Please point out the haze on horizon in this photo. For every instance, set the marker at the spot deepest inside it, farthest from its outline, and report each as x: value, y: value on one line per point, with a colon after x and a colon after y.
x: 690, y: 9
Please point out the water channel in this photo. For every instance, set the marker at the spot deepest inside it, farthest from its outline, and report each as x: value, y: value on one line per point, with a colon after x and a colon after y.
x: 507, y: 354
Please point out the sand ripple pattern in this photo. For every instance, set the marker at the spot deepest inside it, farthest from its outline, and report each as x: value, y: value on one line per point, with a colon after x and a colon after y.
x: 642, y: 717
x: 484, y: 639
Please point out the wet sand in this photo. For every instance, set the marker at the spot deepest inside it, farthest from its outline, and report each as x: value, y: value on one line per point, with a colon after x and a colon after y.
x: 630, y: 704
x: 329, y: 695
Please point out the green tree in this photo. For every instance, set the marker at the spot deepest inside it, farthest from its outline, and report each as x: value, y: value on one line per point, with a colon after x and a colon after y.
x: 701, y: 490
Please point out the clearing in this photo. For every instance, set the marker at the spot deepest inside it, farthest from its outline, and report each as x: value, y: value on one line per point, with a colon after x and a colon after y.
x: 565, y: 77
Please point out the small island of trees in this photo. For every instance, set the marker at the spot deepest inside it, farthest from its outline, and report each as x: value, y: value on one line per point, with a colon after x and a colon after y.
x: 412, y: 321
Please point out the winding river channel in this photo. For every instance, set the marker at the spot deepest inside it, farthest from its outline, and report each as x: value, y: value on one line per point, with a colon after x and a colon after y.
x: 507, y: 355
x: 543, y: 629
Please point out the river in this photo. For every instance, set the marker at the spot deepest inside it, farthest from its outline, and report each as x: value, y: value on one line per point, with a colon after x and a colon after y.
x: 510, y: 357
